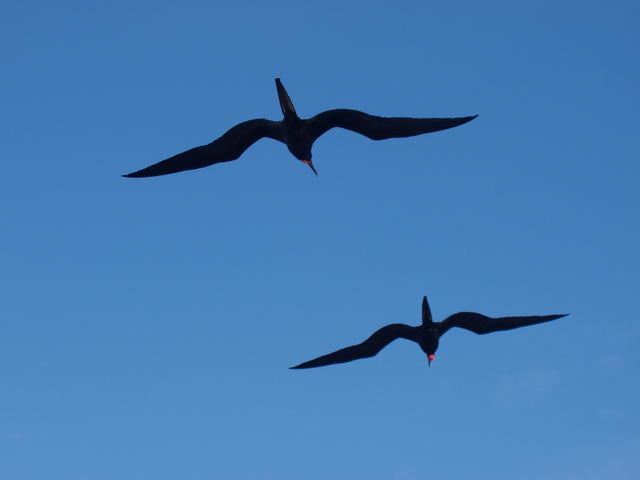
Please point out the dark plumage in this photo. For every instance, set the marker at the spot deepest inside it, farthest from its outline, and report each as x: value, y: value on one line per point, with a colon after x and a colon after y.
x: 298, y: 134
x: 426, y: 335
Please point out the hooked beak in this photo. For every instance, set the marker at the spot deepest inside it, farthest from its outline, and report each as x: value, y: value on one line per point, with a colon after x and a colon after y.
x: 431, y: 357
x: 308, y: 162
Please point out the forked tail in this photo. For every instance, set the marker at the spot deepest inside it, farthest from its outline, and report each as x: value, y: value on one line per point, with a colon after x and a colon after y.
x: 426, y: 312
x: 285, y: 102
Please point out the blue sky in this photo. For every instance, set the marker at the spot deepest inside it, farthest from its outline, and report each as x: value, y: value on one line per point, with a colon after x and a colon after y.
x: 147, y: 325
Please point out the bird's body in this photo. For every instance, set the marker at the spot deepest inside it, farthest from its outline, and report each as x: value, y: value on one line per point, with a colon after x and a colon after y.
x: 297, y: 133
x: 427, y: 335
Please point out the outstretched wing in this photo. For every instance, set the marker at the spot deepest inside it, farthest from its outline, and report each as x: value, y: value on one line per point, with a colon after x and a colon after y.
x: 370, y: 347
x: 226, y: 148
x: 379, y: 128
x: 482, y: 324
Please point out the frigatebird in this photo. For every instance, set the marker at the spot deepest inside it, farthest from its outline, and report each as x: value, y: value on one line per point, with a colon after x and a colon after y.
x: 426, y: 335
x: 297, y: 134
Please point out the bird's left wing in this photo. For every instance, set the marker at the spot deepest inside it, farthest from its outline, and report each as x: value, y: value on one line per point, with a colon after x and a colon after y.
x: 482, y: 324
x: 224, y: 149
x: 379, y: 128
x: 370, y: 347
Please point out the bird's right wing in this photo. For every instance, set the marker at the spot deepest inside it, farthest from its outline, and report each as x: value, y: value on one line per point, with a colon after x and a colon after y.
x: 379, y: 128
x: 370, y: 347
x: 482, y: 324
x: 226, y: 148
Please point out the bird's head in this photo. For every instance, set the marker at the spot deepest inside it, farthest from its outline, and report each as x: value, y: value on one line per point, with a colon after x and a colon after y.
x: 429, y: 345
x: 299, y: 144
x: 304, y: 155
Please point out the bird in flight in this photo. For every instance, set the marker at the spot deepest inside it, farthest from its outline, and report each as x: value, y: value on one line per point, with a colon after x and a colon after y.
x: 426, y: 335
x: 297, y: 134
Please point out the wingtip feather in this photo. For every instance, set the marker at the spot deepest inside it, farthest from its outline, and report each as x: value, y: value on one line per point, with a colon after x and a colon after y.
x: 138, y: 173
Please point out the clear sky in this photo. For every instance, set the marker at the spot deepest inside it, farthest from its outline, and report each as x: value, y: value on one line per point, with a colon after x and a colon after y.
x: 147, y: 325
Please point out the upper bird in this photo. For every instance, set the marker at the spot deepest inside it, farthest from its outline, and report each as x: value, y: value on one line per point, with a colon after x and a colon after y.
x: 297, y: 134
x: 426, y: 335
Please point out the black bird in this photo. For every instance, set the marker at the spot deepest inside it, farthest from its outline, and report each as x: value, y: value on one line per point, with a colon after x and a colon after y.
x: 426, y: 335
x: 297, y: 133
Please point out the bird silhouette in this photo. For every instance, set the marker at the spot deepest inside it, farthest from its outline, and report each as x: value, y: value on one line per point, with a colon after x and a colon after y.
x: 297, y: 133
x: 427, y: 335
